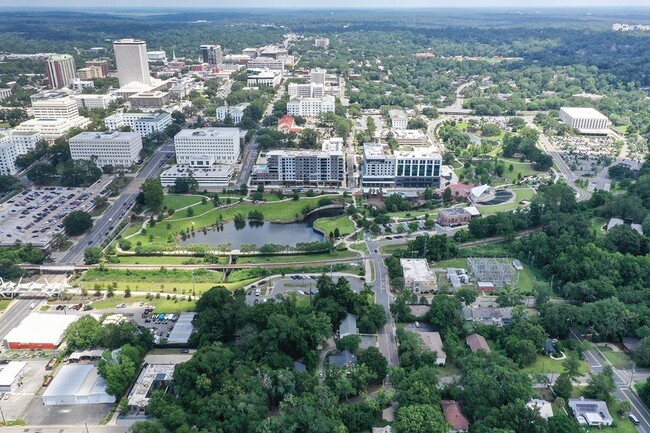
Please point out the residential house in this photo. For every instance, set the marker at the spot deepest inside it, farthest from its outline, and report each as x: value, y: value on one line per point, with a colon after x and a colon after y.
x: 488, y: 315
x: 544, y: 407
x: 593, y: 413
x: 477, y: 342
x: 348, y: 326
x: 343, y: 359
x: 454, y: 416
x: 433, y: 342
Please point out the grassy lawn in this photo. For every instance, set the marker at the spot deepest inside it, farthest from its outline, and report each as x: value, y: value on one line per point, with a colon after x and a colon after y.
x: 359, y: 246
x: 206, y: 215
x: 270, y: 197
x: 449, y: 369
x: 328, y: 225
x: 413, y: 214
x: 297, y: 258
x: 523, y: 193
x: 4, y: 303
x: 163, y: 260
x: 618, y: 359
x: 177, y: 201
x: 452, y: 263
x: 597, y: 224
x: 526, y: 169
x: 98, y: 210
x: 545, y: 364
x: 390, y: 249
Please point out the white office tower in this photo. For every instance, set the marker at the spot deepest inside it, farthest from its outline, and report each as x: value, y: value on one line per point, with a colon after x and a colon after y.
x: 107, y: 148
x: 7, y: 155
x: 25, y: 141
x: 207, y: 146
x: 131, y: 61
x: 317, y: 76
x: 56, y: 108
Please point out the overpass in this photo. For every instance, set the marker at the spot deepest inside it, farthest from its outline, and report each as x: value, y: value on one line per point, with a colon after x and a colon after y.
x: 324, y: 208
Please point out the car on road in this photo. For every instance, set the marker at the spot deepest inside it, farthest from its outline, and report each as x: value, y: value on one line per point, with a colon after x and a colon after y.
x: 634, y: 419
x: 185, y: 350
x: 121, y: 306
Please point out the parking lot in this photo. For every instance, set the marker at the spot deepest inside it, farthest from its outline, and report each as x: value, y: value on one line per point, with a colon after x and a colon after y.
x: 302, y: 285
x: 36, y: 215
x: 20, y: 398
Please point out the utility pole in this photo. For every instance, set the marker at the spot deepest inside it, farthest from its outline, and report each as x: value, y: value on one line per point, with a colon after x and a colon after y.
x: 3, y: 416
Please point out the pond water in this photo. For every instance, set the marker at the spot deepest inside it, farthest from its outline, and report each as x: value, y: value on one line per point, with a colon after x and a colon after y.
x: 255, y: 233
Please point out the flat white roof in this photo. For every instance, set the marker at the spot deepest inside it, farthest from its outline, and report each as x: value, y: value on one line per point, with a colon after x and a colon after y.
x: 41, y: 329
x: 581, y: 112
x: 417, y: 269
x: 77, y: 380
x: 10, y: 372
x: 208, y: 132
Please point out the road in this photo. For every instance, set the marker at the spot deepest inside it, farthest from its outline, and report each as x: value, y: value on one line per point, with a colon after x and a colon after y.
x: 381, y: 286
x: 120, y: 206
x: 248, y: 160
x: 622, y: 379
x: 17, y: 311
x: 66, y: 429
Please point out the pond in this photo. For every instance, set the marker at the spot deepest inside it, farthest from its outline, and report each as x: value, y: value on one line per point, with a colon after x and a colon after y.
x: 258, y: 233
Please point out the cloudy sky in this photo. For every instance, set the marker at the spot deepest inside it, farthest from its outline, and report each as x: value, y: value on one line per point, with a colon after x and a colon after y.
x: 320, y: 4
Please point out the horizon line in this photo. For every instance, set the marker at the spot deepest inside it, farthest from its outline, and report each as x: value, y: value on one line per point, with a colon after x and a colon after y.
x: 302, y: 8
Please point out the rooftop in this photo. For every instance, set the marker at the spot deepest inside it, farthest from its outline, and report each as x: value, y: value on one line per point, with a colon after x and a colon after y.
x: 348, y: 325
x: 398, y: 114
x: 454, y: 416
x: 208, y: 132
x: 417, y: 269
x: 149, y: 376
x: 583, y: 112
x: 41, y: 329
x: 544, y: 407
x: 182, y: 329
x: 182, y: 170
x: 111, y: 135
x: 10, y: 372
x: 433, y: 342
x: 343, y: 359
x: 76, y: 380
x: 477, y: 342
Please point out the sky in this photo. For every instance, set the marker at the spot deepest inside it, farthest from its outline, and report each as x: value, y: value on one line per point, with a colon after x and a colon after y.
x: 330, y: 3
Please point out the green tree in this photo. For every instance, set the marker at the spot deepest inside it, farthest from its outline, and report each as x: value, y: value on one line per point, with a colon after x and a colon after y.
x: 93, y: 255
x: 572, y: 366
x: 153, y: 194
x: 467, y: 295
x: 375, y: 361
x: 563, y: 386
x: 421, y: 418
x: 350, y: 343
x: 601, y: 385
x: 445, y: 314
x: 77, y: 222
x: 85, y: 333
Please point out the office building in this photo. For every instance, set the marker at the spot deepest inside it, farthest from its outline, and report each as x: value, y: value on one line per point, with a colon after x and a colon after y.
x: 90, y: 73
x: 104, y: 65
x: 301, y: 167
x: 266, y: 78
x: 418, y: 276
x: 8, y: 155
x: 107, y: 148
x: 398, y: 118
x: 93, y: 101
x: 61, y: 70
x: 78, y: 85
x: 154, y: 98
x: 417, y: 168
x: 265, y: 63
x: 142, y: 123
x: 317, y: 76
x: 51, y: 129
x: 311, y: 107
x: 236, y: 112
x: 55, y: 108
x: 210, y: 176
x: 322, y: 42
x: 212, y: 55
x: 410, y: 137
x: 25, y: 141
x: 157, y: 56
x: 309, y: 90
x: 207, y: 146
x: 273, y: 52
x: 586, y: 120
x: 456, y: 216
x: 131, y: 61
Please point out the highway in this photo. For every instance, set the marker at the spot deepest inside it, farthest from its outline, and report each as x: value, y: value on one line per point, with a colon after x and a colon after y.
x: 116, y: 212
x: 623, y: 380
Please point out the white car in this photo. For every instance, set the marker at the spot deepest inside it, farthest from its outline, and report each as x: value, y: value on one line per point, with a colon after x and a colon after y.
x: 121, y: 306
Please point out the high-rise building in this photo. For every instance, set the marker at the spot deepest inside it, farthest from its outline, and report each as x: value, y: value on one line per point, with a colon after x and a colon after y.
x: 418, y: 168
x: 131, y: 61
x: 311, y: 107
x: 317, y: 76
x: 61, y: 70
x: 212, y: 55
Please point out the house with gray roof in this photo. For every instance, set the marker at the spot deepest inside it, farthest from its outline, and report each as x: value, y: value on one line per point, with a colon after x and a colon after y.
x: 343, y: 359
x: 593, y: 413
x: 348, y: 326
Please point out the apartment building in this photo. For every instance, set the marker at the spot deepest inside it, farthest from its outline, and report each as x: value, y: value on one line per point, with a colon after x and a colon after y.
x: 212, y: 55
x: 107, y: 148
x: 104, y: 65
x: 311, y: 107
x: 207, y: 146
x: 142, y: 123
x: 60, y: 70
x: 90, y: 73
x: 236, y: 112
x: 301, y: 167
x: 418, y: 168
